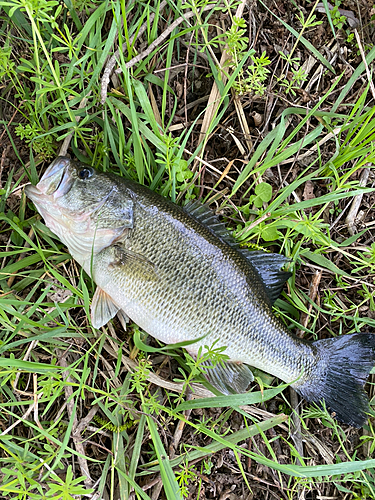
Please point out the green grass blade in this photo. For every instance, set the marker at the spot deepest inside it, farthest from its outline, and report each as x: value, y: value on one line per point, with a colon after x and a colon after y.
x: 230, y: 440
x: 303, y: 40
x: 136, y: 487
x: 171, y: 488
x: 249, y: 398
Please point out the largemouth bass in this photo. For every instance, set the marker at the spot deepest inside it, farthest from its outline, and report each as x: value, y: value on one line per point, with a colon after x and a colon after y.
x: 177, y: 274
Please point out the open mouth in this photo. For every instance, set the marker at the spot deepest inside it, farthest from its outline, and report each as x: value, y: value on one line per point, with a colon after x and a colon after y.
x: 55, y: 181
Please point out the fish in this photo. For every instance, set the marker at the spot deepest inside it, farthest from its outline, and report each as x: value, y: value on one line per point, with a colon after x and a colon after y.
x: 180, y: 276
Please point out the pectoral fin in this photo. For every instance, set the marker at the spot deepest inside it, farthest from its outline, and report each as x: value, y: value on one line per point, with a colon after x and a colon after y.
x: 103, y: 308
x: 134, y: 263
x: 228, y: 377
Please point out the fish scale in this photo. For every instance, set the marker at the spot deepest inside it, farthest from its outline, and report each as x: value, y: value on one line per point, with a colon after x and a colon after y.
x: 178, y: 274
x: 203, y: 287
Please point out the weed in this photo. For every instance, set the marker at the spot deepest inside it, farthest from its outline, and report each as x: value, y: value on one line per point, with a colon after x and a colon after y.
x: 43, y: 144
x: 338, y: 19
x: 51, y: 62
x: 253, y: 78
x: 68, y: 488
x: 185, y: 476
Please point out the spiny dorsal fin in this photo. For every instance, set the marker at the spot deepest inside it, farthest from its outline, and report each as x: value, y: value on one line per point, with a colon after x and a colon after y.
x: 268, y: 265
x: 204, y: 215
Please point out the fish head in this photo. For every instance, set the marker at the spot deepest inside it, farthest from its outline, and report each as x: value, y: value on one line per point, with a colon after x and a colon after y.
x: 82, y: 206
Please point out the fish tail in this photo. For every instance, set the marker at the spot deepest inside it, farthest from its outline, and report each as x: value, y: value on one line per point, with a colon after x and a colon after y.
x: 342, y: 367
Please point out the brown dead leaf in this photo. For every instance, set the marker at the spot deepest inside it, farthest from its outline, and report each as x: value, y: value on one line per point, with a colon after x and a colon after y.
x: 308, y: 192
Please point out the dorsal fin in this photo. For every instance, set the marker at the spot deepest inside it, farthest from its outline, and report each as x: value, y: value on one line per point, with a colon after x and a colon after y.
x: 268, y: 265
x: 204, y: 215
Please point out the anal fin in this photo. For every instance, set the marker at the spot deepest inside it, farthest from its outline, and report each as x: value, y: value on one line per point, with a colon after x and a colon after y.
x: 229, y: 377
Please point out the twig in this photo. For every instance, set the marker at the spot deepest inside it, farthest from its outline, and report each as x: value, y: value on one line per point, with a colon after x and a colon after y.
x: 254, y: 224
x: 350, y: 219
x: 155, y: 108
x: 110, y: 452
x: 32, y: 345
x: 365, y: 63
x: 3, y: 156
x: 179, y: 429
x: 35, y: 397
x: 68, y: 138
x: 352, y: 20
x: 10, y: 121
x: 24, y: 417
x: 156, y: 491
x: 208, y: 165
x: 314, y: 148
x: 314, y: 442
x: 296, y: 427
x: 183, y: 65
x: 243, y: 122
x: 112, y: 61
x: 226, y: 171
x: 152, y: 483
x: 314, y: 285
x: 341, y: 214
x: 233, y: 134
x: 88, y: 418
x: 160, y: 39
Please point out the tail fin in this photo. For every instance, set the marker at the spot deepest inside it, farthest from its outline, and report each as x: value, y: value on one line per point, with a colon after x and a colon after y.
x: 343, y: 366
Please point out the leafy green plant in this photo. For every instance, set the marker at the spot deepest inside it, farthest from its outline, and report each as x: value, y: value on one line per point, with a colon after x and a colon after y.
x: 7, y: 66
x: 338, y: 19
x: 253, y: 78
x: 213, y: 354
x: 68, y: 488
x: 292, y: 81
x: 43, y: 146
x: 185, y: 476
x: 177, y: 167
x: 263, y: 194
x: 84, y: 5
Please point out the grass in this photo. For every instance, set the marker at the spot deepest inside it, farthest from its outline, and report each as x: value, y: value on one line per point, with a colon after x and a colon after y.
x: 79, y: 415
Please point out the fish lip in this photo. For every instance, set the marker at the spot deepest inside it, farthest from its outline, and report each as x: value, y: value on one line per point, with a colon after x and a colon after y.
x: 56, y: 180
x: 32, y: 192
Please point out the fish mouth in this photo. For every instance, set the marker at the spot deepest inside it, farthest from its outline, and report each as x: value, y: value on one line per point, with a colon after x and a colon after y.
x: 56, y: 180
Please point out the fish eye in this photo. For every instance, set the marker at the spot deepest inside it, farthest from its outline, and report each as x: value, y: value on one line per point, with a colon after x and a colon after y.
x: 85, y: 173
